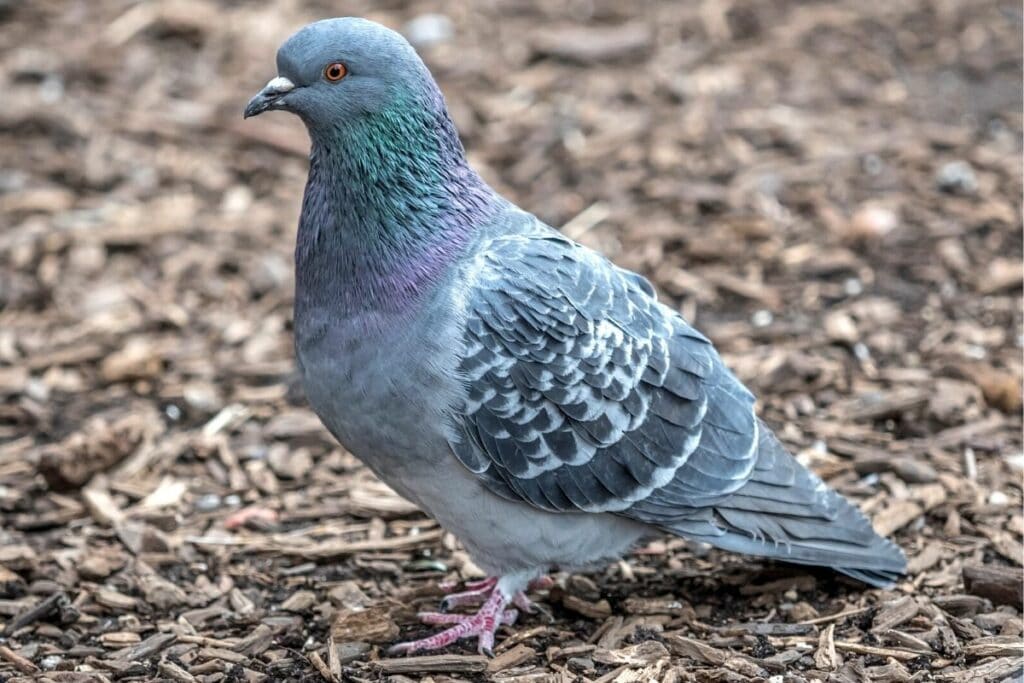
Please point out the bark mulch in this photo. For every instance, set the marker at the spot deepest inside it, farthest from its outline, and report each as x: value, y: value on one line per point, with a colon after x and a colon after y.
x: 830, y: 190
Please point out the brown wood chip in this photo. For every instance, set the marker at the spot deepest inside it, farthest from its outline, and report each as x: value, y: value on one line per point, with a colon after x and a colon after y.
x: 859, y: 648
x: 1001, y: 585
x: 894, y: 613
x: 148, y: 647
x: 825, y: 656
x: 695, y: 649
x: 22, y: 664
x: 516, y: 656
x: 432, y: 664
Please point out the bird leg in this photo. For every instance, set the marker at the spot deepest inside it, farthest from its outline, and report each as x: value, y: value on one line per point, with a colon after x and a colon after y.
x: 483, y: 624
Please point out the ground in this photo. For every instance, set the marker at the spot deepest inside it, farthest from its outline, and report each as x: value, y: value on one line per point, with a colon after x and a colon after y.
x: 830, y: 190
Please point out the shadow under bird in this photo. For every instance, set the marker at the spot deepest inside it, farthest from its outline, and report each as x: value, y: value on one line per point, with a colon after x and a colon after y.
x: 534, y: 398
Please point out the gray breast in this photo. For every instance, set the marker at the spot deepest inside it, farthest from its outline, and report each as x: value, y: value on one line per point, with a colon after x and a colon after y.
x: 382, y: 384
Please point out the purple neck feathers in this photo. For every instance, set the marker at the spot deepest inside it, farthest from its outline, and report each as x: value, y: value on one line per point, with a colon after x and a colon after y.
x: 390, y: 204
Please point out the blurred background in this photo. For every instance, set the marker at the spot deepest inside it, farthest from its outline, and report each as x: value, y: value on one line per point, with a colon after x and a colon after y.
x: 830, y: 190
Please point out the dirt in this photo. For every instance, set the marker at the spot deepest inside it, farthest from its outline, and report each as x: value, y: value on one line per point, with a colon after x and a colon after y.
x: 830, y: 190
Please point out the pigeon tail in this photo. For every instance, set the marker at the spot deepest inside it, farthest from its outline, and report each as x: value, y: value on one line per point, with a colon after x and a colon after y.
x: 786, y: 512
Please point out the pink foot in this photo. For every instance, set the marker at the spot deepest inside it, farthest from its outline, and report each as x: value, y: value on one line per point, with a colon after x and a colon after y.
x: 483, y: 624
x: 475, y: 593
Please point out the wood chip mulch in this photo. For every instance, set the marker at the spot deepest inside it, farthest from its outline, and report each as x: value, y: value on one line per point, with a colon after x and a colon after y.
x: 830, y: 190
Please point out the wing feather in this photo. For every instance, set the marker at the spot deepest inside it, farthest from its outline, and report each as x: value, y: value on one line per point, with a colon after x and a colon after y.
x: 585, y: 393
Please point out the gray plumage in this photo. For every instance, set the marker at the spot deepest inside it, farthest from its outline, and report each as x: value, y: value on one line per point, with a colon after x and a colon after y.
x: 586, y: 394
x: 533, y: 397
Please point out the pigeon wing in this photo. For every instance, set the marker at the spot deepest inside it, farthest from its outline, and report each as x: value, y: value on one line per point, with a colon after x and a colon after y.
x: 586, y: 394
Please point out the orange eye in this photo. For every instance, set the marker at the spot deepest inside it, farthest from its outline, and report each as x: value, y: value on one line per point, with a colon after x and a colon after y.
x: 335, y: 72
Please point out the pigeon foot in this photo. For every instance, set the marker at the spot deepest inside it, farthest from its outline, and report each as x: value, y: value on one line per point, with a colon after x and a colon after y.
x: 482, y: 625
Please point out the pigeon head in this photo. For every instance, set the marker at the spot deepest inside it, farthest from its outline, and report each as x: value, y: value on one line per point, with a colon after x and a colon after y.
x: 337, y: 72
x: 368, y: 101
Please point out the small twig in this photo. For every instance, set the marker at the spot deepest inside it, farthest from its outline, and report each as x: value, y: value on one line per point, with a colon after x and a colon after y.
x: 318, y: 663
x: 860, y: 649
x: 20, y: 663
x: 432, y: 663
x: 34, y: 614
x: 837, y: 615
x: 147, y: 648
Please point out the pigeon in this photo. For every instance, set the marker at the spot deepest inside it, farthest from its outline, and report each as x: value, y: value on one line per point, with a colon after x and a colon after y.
x: 535, y: 399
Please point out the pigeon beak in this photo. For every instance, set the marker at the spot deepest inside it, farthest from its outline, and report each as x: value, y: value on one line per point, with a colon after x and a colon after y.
x: 270, y: 97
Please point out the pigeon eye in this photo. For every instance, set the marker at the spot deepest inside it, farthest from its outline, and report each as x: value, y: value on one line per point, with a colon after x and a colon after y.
x: 335, y: 72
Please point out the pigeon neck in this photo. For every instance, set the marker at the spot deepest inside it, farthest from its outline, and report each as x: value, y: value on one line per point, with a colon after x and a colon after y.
x: 390, y: 203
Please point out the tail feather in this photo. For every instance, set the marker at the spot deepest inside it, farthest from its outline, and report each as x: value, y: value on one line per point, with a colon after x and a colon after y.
x: 786, y: 512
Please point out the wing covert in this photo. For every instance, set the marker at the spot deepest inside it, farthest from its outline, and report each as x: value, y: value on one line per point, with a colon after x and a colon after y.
x: 584, y: 393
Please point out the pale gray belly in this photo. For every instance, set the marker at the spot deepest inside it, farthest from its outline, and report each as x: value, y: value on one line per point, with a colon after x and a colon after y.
x: 386, y: 401
x: 504, y: 536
